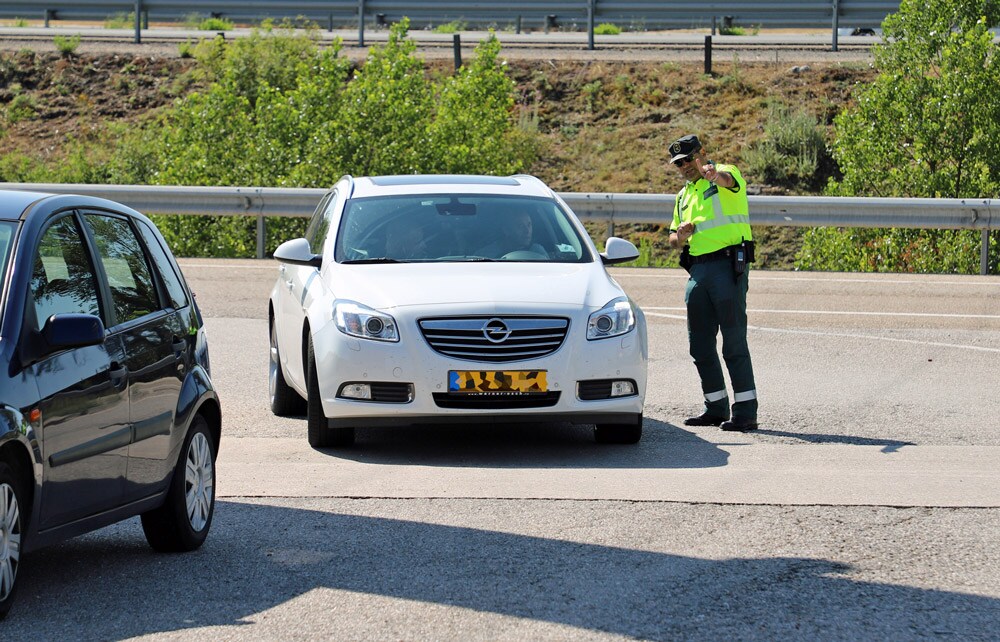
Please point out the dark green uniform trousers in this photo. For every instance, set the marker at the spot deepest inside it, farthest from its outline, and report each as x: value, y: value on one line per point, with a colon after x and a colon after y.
x: 716, y: 300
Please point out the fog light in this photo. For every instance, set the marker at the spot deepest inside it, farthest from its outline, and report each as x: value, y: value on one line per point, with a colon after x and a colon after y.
x: 356, y: 391
x: 622, y: 388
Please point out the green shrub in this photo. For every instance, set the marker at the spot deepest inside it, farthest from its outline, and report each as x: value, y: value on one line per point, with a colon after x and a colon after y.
x: 67, y: 45
x: 120, y: 21
x: 201, y: 23
x: 22, y: 107
x: 20, y: 23
x: 893, y: 250
x: 185, y: 49
x: 215, y: 24
x: 280, y: 111
x: 607, y: 29
x: 452, y: 27
x: 792, y: 151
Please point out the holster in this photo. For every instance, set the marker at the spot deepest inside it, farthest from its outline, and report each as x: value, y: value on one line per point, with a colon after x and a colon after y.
x: 742, y: 255
x: 685, y: 260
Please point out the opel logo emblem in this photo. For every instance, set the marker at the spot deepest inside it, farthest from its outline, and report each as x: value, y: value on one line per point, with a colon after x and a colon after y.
x: 496, y: 331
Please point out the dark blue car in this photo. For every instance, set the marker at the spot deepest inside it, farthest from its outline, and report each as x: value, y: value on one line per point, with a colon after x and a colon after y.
x: 107, y: 409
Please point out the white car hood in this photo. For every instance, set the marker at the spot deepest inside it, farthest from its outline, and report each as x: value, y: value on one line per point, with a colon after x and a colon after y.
x: 390, y: 286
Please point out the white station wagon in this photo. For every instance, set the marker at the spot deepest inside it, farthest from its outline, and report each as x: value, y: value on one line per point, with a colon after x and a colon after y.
x: 439, y: 299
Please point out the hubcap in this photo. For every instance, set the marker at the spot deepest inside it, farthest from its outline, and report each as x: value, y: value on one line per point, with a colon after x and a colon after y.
x: 10, y: 539
x: 272, y: 374
x: 198, y: 482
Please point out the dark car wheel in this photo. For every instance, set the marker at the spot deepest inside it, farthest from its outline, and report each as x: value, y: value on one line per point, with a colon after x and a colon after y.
x: 182, y: 523
x: 321, y: 435
x: 629, y: 433
x: 285, y: 401
x: 11, y: 524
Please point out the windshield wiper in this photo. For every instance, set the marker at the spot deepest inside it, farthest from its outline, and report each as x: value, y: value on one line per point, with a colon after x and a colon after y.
x: 380, y: 259
x: 477, y: 259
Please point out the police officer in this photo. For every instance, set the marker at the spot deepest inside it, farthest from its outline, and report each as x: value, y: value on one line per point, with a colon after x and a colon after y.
x: 712, y: 223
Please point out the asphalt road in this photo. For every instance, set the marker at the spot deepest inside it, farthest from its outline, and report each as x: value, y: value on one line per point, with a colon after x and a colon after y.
x: 867, y: 506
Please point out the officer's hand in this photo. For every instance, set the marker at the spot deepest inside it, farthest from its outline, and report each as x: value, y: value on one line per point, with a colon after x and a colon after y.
x: 709, y: 172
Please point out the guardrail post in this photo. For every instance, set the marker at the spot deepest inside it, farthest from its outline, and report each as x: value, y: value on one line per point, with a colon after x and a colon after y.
x: 138, y: 21
x: 361, y: 23
x: 708, y: 55
x: 590, y: 24
x: 261, y: 236
x: 50, y: 14
x: 836, y: 23
x: 984, y: 254
x: 456, y: 43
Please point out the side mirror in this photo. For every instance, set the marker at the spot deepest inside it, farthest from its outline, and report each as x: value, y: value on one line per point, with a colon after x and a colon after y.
x: 64, y: 331
x: 618, y: 250
x: 297, y: 252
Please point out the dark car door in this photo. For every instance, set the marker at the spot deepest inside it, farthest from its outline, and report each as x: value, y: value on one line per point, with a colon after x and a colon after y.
x: 83, y: 391
x: 155, y: 340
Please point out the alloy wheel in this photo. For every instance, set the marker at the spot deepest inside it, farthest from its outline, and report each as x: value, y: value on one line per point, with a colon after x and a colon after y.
x: 199, y: 485
x: 10, y: 539
x: 273, y: 365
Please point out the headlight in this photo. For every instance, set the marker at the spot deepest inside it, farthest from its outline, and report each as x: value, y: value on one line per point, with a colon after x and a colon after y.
x: 363, y: 322
x: 614, y: 319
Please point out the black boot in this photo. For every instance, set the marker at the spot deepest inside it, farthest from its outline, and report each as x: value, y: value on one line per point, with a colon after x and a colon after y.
x: 740, y: 424
x: 704, y: 419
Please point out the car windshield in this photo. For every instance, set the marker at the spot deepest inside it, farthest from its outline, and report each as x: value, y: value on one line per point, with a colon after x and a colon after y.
x: 457, y: 228
x: 7, y: 229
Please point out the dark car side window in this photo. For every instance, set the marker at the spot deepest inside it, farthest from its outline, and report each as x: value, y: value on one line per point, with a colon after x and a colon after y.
x: 178, y: 297
x: 133, y: 292
x: 63, y: 280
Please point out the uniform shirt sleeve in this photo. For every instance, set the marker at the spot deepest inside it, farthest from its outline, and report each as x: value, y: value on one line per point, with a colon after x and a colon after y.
x: 677, y: 212
x: 733, y: 171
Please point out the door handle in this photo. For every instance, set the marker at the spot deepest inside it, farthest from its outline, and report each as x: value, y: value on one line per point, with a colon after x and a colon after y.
x: 118, y: 374
x: 178, y: 344
x: 290, y: 284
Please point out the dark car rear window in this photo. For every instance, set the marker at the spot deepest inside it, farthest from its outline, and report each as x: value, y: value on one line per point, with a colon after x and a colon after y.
x: 178, y: 298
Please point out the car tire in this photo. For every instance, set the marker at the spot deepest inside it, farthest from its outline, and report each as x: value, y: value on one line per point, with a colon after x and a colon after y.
x: 182, y: 522
x: 321, y: 435
x: 285, y: 401
x: 11, y: 536
x: 629, y: 433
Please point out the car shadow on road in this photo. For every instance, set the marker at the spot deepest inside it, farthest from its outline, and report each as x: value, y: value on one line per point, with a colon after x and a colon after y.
x: 547, y: 445
x: 365, y: 577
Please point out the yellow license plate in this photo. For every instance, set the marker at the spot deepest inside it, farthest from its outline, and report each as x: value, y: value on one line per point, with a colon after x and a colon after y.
x: 499, y: 382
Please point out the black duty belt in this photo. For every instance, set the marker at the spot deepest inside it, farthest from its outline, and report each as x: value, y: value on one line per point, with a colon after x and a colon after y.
x: 718, y: 255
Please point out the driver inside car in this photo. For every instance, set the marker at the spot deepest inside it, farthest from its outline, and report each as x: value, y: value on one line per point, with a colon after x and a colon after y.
x: 405, y: 240
x: 516, y: 236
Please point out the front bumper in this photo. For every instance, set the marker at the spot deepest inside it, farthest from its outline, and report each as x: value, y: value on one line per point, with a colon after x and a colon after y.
x: 342, y: 359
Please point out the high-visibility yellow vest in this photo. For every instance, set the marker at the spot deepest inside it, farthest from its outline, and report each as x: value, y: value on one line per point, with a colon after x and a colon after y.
x: 721, y: 215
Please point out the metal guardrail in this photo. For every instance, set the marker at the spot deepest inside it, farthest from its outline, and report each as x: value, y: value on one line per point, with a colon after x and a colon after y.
x: 577, y: 15
x: 796, y: 211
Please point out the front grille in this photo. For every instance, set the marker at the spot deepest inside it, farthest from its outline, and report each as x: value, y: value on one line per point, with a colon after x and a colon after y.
x: 495, y: 339
x: 466, y: 401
